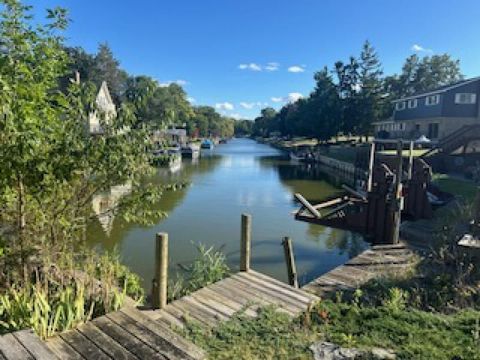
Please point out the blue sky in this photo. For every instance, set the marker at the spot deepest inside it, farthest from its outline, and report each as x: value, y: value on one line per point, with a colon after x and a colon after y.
x: 241, y: 56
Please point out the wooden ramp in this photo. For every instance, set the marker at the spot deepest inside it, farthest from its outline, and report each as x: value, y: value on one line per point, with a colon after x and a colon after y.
x: 125, y: 334
x: 244, y: 291
x: 377, y: 261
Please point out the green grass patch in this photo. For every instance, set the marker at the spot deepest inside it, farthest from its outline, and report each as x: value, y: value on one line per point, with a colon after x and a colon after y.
x: 463, y: 188
x: 412, y: 334
x: 405, y: 153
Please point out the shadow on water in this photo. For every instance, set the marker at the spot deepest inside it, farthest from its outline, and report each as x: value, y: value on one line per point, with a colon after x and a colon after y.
x: 239, y: 177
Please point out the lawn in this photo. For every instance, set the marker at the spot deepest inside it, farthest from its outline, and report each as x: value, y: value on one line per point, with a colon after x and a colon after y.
x: 464, y: 188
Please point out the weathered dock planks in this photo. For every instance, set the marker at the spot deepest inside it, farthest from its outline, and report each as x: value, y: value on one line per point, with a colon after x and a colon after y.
x: 125, y: 334
x: 244, y: 291
x: 377, y: 261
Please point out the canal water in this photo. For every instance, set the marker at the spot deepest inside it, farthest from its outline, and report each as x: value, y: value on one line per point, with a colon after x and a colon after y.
x: 242, y: 176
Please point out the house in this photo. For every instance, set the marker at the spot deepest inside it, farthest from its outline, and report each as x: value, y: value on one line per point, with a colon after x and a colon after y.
x: 434, y: 114
x: 173, y: 136
x: 105, y: 106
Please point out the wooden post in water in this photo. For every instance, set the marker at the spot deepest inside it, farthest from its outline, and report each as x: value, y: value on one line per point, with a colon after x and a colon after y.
x: 159, y: 289
x: 246, y: 240
x: 371, y: 162
x: 290, y: 260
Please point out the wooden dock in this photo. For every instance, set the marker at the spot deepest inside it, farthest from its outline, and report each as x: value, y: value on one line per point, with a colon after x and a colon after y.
x: 375, y: 262
x: 147, y: 334
x: 244, y: 291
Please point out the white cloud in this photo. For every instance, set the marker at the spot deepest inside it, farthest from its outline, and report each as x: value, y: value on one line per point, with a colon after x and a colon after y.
x: 272, y: 66
x: 296, y: 69
x: 169, y: 82
x: 224, y: 106
x: 291, y: 97
x: 294, y: 96
x: 419, y: 48
x: 236, y: 116
x: 191, y: 100
x: 246, y: 105
x: 250, y: 66
x: 251, y: 105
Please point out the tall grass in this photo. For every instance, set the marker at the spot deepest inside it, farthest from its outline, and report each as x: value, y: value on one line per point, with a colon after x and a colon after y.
x: 210, y: 266
x: 59, y: 296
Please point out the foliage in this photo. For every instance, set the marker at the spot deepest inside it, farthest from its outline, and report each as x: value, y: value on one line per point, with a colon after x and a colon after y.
x: 243, y: 127
x: 356, y: 96
x: 62, y: 296
x: 271, y: 335
x: 410, y: 333
x: 209, y: 267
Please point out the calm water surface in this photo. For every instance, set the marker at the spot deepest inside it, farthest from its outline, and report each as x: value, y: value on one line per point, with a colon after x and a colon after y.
x: 241, y: 176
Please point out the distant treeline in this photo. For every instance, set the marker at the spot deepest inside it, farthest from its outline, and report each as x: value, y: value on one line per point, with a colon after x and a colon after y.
x: 155, y: 104
x: 350, y: 97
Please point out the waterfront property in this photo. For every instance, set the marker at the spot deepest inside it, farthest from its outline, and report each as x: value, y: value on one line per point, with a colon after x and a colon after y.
x: 106, y: 106
x: 434, y: 114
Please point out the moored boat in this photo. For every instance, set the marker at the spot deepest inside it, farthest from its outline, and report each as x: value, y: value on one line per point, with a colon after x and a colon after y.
x: 207, y: 144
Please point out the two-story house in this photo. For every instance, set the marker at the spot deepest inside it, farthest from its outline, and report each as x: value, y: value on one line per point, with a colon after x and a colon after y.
x: 434, y: 114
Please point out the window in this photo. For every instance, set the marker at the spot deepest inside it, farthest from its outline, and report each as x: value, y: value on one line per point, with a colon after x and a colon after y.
x: 399, y: 106
x: 465, y: 98
x: 412, y: 104
x: 432, y: 100
x: 433, y: 131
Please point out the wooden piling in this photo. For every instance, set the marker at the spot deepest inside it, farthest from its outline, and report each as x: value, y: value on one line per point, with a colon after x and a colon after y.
x: 246, y: 239
x: 410, y: 160
x: 159, y: 289
x: 397, y: 200
x: 290, y: 260
x: 371, y: 162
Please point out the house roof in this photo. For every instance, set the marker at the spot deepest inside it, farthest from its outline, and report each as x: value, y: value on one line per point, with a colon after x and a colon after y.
x: 439, y: 90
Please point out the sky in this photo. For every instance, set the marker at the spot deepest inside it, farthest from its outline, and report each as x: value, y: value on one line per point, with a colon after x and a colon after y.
x: 241, y: 56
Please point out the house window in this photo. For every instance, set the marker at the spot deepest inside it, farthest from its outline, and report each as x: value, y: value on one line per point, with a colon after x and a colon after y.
x: 432, y: 100
x: 433, y: 131
x: 412, y: 104
x: 465, y: 98
x: 399, y: 106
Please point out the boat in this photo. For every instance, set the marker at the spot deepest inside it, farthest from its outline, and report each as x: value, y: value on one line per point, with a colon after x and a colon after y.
x: 303, y: 155
x: 207, y: 144
x: 190, y: 151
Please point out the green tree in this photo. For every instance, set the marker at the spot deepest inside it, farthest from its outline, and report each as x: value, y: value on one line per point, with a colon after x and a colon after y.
x: 369, y: 103
x: 107, y: 68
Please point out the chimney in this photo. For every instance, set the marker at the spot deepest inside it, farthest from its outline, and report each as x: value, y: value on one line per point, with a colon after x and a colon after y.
x: 77, y: 77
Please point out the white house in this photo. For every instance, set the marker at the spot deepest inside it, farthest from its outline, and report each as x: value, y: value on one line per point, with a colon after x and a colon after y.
x: 106, y: 106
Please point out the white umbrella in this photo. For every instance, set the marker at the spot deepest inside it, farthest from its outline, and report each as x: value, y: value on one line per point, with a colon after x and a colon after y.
x: 423, y: 140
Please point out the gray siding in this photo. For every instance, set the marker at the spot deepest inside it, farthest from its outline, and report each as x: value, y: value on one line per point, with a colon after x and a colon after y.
x: 446, y: 107
x: 450, y: 109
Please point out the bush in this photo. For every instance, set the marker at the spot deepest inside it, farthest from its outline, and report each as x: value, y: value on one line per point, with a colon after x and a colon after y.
x: 209, y: 267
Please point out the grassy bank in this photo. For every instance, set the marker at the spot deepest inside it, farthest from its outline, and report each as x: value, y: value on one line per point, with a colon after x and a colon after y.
x: 410, y: 333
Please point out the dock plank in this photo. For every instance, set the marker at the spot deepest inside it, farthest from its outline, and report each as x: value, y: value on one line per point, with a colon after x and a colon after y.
x: 33, y: 344
x: 11, y: 349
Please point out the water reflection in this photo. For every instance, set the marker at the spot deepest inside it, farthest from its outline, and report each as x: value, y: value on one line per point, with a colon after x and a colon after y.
x: 241, y: 176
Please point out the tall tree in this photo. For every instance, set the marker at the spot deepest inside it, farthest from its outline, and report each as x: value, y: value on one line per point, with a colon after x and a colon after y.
x: 107, y: 68
x: 371, y: 86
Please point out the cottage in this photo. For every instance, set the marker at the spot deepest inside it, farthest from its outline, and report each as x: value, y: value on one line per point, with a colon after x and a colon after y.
x: 106, y: 106
x: 434, y: 114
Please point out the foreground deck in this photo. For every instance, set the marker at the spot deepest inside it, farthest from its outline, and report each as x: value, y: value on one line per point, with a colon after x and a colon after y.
x: 147, y: 334
x: 375, y: 262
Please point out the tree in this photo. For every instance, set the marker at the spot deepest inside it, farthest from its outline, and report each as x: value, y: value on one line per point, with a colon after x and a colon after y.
x: 51, y: 168
x: 326, y: 107
x: 107, y: 68
x: 370, y: 94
